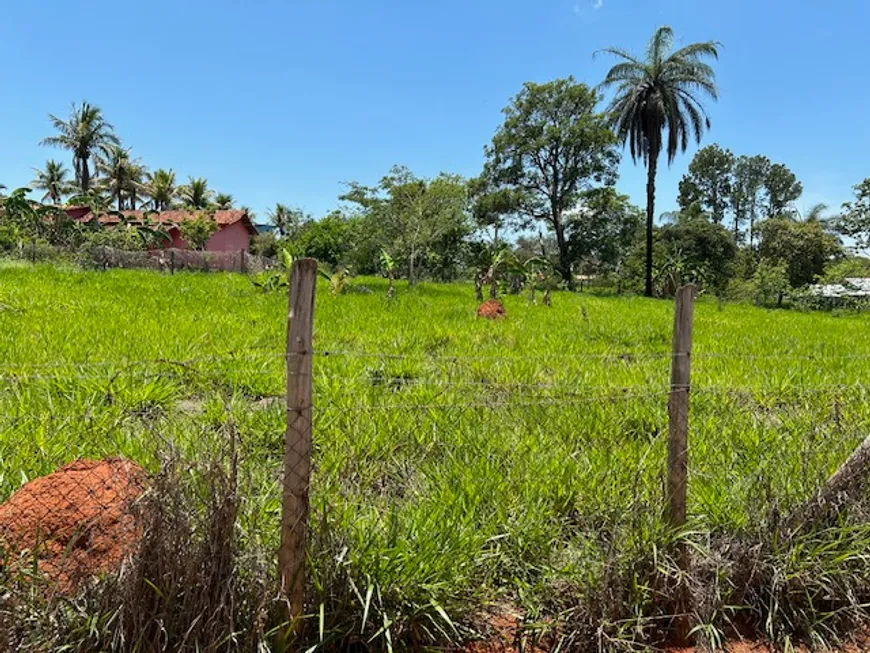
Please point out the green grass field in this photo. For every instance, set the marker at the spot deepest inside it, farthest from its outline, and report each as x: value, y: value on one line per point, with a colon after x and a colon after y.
x: 461, y: 463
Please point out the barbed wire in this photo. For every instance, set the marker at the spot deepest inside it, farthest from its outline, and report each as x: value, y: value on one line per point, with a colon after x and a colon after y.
x: 269, y: 352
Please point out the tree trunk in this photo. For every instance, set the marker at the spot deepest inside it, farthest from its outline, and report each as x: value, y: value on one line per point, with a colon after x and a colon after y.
x: 478, y: 287
x: 564, y: 266
x: 86, y: 176
x: 411, y: 258
x: 650, y: 213
x: 751, y: 227
x: 846, y: 485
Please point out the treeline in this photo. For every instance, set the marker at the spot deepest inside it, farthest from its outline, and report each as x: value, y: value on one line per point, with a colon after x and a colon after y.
x: 545, y: 207
x: 737, y: 232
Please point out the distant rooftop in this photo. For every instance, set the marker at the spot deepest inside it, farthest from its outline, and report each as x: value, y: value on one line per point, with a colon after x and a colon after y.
x: 851, y: 287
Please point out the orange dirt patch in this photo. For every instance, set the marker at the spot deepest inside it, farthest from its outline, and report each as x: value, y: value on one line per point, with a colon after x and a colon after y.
x: 756, y: 647
x: 491, y: 309
x: 78, y: 521
x: 505, y: 635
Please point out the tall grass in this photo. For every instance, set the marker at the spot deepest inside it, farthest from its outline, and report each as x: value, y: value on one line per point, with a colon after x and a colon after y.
x: 461, y: 463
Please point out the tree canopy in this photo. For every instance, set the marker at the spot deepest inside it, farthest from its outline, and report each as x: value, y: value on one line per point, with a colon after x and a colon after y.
x: 552, y: 146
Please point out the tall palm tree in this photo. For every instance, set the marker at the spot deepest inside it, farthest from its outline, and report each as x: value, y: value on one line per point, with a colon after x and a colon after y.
x: 86, y: 133
x: 195, y: 193
x: 160, y: 188
x: 660, y: 94
x: 138, y: 175
x: 53, y: 180
x: 816, y: 213
x: 223, y: 201
x: 122, y: 176
x: 285, y: 219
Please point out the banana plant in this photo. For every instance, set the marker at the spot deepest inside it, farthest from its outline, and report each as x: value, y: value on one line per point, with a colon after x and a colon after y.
x: 339, y: 281
x: 531, y: 272
x: 492, y: 262
x: 388, y: 264
x: 287, y: 261
x: 275, y: 279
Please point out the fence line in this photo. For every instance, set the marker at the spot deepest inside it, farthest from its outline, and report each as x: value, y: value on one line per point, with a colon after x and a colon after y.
x: 302, y: 378
x: 173, y: 259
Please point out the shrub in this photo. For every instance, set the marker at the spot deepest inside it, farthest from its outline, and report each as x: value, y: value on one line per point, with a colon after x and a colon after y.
x: 771, y: 283
x: 198, y: 230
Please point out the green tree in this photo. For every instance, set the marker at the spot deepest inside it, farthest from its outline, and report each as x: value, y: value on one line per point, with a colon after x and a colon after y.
x: 493, y: 208
x: 750, y: 173
x: 52, y: 180
x: 85, y: 133
x: 328, y: 240
x: 196, y: 194
x: 601, y: 231
x: 708, y: 183
x: 771, y: 283
x: 657, y: 95
x: 197, y: 230
x: 414, y: 218
x: 702, y: 245
x: 551, y: 147
x: 854, y: 221
x: 223, y: 201
x: 692, y: 249
x: 781, y: 189
x: 161, y: 189
x: 804, y: 248
x: 286, y: 220
x: 121, y: 177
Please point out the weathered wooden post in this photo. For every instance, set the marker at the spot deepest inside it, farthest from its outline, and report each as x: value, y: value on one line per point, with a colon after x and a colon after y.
x: 678, y: 440
x: 297, y: 444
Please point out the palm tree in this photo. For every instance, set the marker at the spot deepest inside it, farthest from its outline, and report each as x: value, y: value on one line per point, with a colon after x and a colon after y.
x: 816, y: 213
x: 53, y: 181
x: 223, y: 201
x: 160, y: 188
x: 285, y: 219
x: 138, y: 175
x: 86, y: 133
x: 122, y: 176
x: 659, y: 94
x: 195, y: 193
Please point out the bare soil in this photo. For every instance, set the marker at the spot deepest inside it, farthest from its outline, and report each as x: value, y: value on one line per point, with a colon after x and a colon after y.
x: 491, y: 309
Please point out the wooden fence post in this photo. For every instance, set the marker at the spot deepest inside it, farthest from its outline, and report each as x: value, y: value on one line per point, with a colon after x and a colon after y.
x: 678, y: 441
x: 297, y: 444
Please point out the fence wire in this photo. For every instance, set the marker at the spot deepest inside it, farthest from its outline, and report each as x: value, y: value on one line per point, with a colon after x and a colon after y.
x: 495, y: 454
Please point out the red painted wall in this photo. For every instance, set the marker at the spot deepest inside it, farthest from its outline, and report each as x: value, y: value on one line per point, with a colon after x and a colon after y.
x: 231, y: 238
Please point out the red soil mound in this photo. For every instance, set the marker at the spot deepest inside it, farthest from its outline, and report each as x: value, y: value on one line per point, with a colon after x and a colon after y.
x: 78, y: 520
x: 491, y: 309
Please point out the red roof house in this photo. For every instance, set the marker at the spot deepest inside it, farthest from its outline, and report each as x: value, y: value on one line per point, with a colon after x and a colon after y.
x: 234, y: 226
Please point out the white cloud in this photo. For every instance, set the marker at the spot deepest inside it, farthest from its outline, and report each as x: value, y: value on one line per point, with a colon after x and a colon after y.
x: 597, y: 4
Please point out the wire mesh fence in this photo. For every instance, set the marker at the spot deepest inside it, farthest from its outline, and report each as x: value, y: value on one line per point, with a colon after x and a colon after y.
x: 173, y: 259
x: 423, y: 468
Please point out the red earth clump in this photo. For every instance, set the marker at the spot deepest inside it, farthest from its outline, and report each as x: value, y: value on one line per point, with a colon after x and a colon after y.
x: 491, y: 309
x: 505, y: 635
x: 78, y: 521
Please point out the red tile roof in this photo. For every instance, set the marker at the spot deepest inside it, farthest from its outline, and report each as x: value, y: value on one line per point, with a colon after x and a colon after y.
x: 174, y: 217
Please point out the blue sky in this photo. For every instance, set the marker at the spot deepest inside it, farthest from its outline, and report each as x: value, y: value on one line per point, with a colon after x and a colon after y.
x: 284, y: 100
